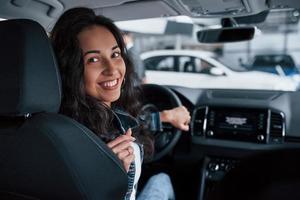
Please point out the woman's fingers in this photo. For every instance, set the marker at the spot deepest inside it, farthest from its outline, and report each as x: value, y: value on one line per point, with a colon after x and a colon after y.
x: 127, y: 157
x: 121, y: 146
x: 184, y: 127
x: 124, y: 153
x: 127, y: 161
x: 127, y: 137
x: 179, y: 118
x: 128, y: 132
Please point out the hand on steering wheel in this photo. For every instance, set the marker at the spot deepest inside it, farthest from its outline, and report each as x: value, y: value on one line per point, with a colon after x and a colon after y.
x: 179, y: 117
x: 160, y: 98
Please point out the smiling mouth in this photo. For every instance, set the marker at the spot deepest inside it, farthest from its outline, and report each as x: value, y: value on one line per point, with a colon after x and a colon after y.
x: 110, y: 85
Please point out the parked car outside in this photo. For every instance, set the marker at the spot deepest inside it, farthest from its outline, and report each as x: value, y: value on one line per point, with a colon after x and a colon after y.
x: 280, y: 64
x: 200, y: 69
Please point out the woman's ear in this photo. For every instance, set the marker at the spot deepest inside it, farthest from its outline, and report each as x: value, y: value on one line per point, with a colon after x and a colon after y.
x: 123, y: 83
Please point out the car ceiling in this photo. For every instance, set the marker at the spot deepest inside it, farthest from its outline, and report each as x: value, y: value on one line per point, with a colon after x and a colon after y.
x: 47, y: 11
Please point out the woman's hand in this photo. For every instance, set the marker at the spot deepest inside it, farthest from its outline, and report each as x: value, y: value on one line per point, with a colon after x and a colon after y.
x: 122, y: 147
x: 179, y: 117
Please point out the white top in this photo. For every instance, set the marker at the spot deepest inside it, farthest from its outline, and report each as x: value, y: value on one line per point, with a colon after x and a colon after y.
x: 138, y: 167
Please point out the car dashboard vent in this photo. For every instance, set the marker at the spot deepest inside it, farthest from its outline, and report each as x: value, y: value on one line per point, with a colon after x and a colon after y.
x: 198, y: 125
x: 277, y: 127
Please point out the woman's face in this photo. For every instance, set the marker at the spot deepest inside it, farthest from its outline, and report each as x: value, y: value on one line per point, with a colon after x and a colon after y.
x: 104, y: 67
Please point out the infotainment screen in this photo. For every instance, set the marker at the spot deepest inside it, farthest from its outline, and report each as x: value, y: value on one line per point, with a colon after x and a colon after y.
x: 236, y: 123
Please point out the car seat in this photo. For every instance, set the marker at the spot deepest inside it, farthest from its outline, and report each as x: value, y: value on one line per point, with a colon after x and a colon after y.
x: 45, y: 155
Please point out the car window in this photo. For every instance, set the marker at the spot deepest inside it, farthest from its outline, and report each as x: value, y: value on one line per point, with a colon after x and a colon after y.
x: 203, y: 66
x: 160, y: 63
x: 273, y: 60
x: 194, y: 65
x: 186, y: 64
x: 278, y: 64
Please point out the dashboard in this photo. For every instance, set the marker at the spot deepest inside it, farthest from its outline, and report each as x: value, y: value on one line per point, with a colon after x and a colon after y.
x: 228, y: 129
x: 249, y: 120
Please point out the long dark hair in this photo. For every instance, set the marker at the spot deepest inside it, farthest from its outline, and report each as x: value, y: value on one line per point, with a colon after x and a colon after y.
x: 76, y: 103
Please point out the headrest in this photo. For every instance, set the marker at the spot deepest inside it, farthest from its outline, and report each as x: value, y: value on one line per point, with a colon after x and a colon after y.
x: 29, y: 78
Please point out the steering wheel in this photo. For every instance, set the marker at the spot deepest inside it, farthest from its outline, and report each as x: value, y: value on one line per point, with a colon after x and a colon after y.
x: 158, y: 98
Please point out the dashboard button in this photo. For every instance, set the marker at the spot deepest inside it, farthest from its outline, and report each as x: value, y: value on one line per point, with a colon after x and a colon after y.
x: 210, y: 133
x: 260, y: 137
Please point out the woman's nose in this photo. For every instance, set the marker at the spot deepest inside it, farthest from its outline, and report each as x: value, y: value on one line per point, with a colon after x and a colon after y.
x: 110, y: 67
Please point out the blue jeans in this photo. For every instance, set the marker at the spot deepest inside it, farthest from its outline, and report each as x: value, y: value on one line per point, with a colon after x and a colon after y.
x: 158, y: 187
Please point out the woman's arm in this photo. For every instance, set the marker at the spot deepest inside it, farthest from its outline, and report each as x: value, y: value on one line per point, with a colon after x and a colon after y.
x: 179, y: 117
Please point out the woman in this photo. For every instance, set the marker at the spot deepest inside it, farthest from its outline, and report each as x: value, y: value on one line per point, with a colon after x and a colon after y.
x: 98, y: 89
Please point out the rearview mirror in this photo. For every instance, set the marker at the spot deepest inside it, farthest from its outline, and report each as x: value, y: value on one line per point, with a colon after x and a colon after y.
x: 227, y: 34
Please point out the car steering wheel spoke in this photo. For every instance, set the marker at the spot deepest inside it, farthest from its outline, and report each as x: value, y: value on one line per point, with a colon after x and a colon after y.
x: 167, y: 127
x: 158, y: 98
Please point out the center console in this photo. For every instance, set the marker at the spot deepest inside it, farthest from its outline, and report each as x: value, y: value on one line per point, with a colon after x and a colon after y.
x: 235, y: 127
x: 254, y: 125
x: 213, y: 170
x: 237, y: 124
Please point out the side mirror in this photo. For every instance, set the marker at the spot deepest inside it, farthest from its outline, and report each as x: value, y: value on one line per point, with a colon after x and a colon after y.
x: 227, y: 34
x: 217, y: 72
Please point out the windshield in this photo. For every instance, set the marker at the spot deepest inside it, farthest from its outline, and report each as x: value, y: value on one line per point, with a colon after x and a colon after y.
x: 171, y: 54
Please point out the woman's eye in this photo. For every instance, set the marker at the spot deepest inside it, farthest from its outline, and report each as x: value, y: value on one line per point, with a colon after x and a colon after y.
x: 92, y: 60
x: 116, y: 54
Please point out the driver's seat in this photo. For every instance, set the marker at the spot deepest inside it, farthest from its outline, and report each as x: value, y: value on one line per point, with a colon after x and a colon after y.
x: 45, y: 155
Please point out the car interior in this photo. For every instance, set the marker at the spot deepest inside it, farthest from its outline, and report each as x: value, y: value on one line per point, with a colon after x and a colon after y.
x: 242, y: 144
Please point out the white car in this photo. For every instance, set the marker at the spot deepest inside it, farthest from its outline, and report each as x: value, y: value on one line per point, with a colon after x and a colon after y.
x: 199, y: 69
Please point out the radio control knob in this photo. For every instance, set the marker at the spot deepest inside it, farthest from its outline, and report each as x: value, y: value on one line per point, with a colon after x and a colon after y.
x: 217, y: 167
x: 260, y: 137
x: 214, y: 167
x: 210, y: 133
x: 228, y: 167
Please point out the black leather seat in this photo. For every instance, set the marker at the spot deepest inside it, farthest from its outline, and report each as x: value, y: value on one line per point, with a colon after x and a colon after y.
x: 45, y: 155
